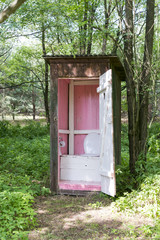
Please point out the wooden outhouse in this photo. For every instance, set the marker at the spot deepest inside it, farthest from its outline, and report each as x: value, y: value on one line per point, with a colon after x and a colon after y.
x: 85, y: 130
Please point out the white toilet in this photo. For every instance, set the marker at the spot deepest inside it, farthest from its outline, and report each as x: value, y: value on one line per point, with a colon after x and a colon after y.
x: 92, y: 145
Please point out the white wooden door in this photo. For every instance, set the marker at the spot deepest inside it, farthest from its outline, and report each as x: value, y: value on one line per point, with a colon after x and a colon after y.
x: 107, y: 166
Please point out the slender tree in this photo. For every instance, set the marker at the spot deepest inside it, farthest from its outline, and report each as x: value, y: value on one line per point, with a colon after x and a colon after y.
x: 131, y: 88
x: 145, y: 82
x: 46, y: 77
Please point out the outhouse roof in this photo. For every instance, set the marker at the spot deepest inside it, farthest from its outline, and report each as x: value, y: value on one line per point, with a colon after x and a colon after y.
x: 113, y: 60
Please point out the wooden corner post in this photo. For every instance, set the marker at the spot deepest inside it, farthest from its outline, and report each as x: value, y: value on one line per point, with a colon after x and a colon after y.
x: 54, y: 129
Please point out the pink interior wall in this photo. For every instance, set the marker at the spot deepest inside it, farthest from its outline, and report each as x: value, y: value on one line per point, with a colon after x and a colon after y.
x: 86, y: 112
x: 63, y: 111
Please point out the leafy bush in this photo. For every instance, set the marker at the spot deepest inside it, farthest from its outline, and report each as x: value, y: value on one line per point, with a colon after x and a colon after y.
x: 145, y: 200
x: 25, y: 156
x: 34, y: 129
x: 16, y: 215
x: 24, y: 173
x: 14, y: 182
x: 25, y: 150
x: 29, y: 131
x: 4, y: 128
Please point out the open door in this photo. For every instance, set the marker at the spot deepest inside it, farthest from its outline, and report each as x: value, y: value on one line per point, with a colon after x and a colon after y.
x: 107, y: 158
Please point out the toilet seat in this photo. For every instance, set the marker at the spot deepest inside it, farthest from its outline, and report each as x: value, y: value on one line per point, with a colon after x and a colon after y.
x: 92, y: 145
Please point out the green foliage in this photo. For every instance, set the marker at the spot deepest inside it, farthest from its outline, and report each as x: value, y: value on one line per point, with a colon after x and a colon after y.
x: 124, y: 106
x: 25, y: 150
x: 4, y: 128
x: 124, y: 181
x: 145, y: 200
x: 16, y: 216
x: 95, y: 205
x: 13, y: 182
x: 141, y: 193
x: 24, y: 174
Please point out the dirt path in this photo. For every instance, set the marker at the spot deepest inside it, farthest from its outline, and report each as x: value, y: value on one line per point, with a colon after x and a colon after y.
x: 76, y: 218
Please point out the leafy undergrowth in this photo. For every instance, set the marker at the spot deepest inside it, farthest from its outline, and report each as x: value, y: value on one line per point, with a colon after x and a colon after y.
x: 24, y: 174
x: 141, y: 194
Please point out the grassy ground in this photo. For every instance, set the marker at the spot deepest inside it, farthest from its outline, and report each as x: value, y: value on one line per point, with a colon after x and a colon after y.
x: 28, y: 211
x: 91, y: 217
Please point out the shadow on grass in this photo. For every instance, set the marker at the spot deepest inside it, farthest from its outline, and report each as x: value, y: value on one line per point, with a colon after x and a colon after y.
x: 75, y: 218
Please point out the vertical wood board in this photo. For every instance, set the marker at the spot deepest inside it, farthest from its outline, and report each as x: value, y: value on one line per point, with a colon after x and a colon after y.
x: 116, y: 85
x: 54, y: 170
x: 106, y: 126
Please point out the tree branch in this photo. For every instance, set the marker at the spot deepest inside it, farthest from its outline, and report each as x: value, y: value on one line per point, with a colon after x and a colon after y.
x: 10, y: 9
x: 23, y: 35
x: 3, y: 54
x: 40, y: 81
x: 20, y: 84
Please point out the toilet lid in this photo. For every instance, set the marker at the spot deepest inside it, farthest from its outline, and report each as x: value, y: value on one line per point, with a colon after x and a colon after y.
x: 92, y: 144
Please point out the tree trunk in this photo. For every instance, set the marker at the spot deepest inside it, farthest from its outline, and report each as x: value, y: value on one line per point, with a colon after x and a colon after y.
x: 131, y: 93
x: 10, y: 9
x: 84, y: 29
x: 90, y: 28
x: 46, y: 93
x: 145, y: 79
x: 106, y: 14
x: 46, y: 88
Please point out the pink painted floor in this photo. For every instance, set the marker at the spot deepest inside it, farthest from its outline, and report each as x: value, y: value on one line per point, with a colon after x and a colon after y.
x: 80, y: 185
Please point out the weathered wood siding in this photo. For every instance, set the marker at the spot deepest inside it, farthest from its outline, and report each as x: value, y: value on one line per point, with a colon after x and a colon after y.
x: 54, y: 129
x: 116, y: 86
x: 80, y: 67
